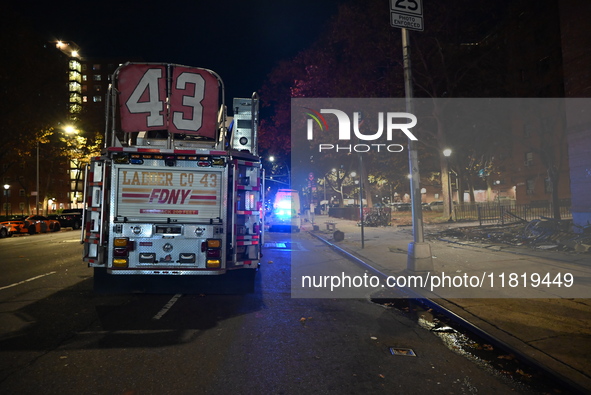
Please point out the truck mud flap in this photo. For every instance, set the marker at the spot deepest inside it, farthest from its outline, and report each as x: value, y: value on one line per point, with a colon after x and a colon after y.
x: 233, y: 282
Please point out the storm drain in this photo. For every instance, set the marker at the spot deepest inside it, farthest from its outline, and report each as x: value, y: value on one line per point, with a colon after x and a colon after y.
x: 403, y: 352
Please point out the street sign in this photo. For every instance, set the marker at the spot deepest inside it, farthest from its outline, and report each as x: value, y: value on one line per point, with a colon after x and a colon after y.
x: 406, y: 14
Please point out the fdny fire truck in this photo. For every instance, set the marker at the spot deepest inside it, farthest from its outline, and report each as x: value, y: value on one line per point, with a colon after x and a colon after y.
x: 174, y: 201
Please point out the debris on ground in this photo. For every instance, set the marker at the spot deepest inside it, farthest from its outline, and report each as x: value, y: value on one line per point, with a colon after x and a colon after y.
x: 542, y: 234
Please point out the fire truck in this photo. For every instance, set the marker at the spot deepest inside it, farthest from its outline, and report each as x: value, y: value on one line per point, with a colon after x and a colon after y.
x: 174, y: 201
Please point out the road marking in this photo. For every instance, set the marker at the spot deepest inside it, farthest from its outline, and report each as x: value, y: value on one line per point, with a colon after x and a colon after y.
x: 167, y: 307
x: 27, y: 280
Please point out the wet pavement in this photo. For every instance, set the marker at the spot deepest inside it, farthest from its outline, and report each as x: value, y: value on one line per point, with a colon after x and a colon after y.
x: 548, y: 325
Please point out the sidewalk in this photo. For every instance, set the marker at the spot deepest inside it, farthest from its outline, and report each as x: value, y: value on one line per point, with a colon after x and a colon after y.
x: 553, y: 331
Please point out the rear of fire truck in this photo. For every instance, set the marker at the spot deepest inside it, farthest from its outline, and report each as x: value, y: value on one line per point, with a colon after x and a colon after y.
x: 173, y: 203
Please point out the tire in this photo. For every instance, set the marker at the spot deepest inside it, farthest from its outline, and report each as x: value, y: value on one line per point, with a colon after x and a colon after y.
x: 76, y: 225
x: 3, y: 233
x: 56, y: 228
x: 32, y: 230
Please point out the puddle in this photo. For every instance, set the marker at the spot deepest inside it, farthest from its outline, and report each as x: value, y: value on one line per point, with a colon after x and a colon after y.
x: 488, y: 356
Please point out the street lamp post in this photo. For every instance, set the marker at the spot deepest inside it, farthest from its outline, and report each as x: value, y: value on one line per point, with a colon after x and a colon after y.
x: 361, y: 217
x: 6, y: 189
x: 37, y: 182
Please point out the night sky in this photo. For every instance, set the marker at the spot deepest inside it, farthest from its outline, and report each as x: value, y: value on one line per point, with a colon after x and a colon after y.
x: 240, y: 40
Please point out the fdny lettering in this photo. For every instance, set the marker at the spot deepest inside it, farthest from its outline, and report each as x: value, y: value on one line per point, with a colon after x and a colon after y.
x: 148, y: 178
x: 169, y: 196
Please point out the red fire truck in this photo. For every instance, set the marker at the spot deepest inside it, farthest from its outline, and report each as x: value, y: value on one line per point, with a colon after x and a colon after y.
x: 173, y: 203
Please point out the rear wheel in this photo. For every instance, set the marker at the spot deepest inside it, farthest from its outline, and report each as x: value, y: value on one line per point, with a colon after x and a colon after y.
x: 3, y: 233
x: 56, y: 228
x: 32, y: 230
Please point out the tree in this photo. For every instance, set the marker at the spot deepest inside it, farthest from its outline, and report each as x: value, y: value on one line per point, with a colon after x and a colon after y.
x: 33, y: 97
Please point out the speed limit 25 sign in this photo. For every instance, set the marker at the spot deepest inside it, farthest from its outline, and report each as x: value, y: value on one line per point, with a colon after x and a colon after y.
x: 406, y: 14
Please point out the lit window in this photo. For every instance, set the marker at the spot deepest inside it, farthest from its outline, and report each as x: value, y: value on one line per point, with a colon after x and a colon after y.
x: 96, y: 77
x: 97, y: 99
x: 84, y: 78
x: 96, y: 66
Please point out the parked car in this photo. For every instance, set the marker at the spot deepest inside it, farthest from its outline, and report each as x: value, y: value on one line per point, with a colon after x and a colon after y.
x: 69, y: 219
x: 4, y: 231
x: 401, y: 206
x: 436, y: 205
x: 73, y: 211
x: 32, y: 224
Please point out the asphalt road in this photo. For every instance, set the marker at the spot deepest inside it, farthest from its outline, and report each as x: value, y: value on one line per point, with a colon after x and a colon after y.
x: 58, y: 337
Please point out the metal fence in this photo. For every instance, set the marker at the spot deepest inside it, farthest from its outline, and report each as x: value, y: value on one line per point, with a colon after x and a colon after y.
x: 508, y: 212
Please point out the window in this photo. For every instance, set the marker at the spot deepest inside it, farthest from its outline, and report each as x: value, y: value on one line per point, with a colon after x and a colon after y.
x: 530, y: 184
x: 529, y: 158
x: 96, y: 67
x: 548, y: 185
x: 96, y: 77
x: 21, y: 192
x: 97, y: 88
x: 97, y: 99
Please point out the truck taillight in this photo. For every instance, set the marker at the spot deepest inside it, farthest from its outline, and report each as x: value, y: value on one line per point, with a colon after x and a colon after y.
x: 120, y: 262
x: 120, y: 242
x: 121, y: 248
x: 213, y: 252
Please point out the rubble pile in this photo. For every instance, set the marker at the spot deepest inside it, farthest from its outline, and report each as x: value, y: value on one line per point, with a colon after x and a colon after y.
x: 544, y: 234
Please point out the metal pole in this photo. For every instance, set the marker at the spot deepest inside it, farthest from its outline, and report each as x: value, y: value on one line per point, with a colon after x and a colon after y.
x: 361, y: 175
x: 419, y: 252
x: 6, y: 203
x: 37, y: 195
x: 450, y: 194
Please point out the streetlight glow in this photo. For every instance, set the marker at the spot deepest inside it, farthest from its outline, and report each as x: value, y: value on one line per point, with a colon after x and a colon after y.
x: 69, y: 129
x: 447, y: 152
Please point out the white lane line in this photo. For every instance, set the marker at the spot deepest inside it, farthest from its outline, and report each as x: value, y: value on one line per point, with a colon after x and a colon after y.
x: 27, y: 280
x: 167, y: 307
